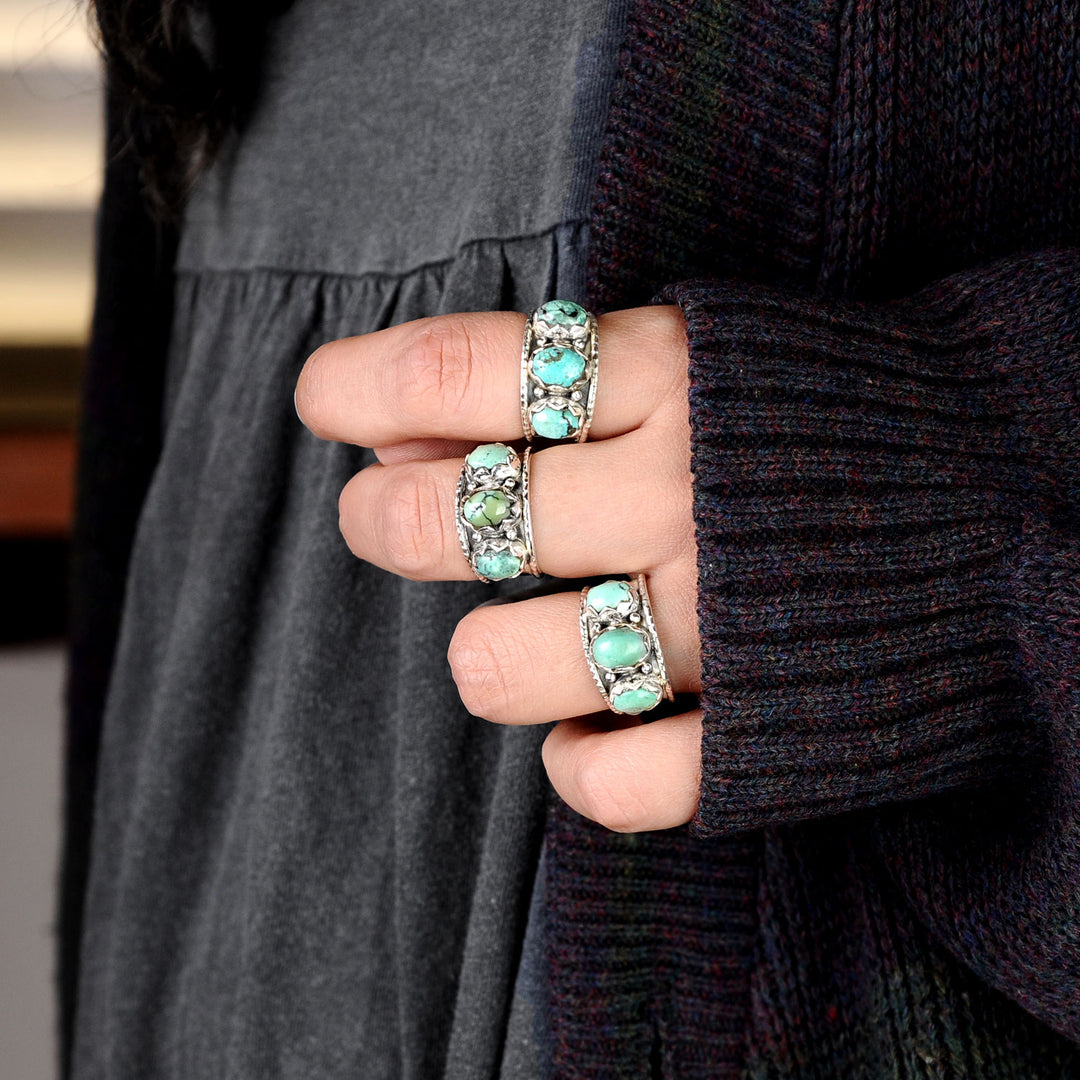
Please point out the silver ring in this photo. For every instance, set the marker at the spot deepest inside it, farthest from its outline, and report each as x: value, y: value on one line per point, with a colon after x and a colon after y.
x: 493, y: 521
x: 559, y: 357
x: 622, y: 647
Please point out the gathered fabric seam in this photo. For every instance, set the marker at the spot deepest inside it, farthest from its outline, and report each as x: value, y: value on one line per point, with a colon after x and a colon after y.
x: 433, y: 264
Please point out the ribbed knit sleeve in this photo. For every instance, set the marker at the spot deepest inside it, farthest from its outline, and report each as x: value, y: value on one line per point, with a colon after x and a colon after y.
x: 870, y: 482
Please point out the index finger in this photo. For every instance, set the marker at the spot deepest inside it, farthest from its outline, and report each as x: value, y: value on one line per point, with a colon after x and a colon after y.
x: 458, y: 377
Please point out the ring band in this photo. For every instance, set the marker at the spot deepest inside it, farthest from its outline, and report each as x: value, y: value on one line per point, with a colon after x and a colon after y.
x: 559, y: 357
x: 622, y: 647
x: 493, y: 513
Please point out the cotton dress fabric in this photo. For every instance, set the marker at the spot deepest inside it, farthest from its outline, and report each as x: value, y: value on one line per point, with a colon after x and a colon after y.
x: 309, y: 860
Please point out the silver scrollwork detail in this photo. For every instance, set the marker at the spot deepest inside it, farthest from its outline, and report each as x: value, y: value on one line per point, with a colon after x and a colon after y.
x: 493, y: 523
x: 622, y: 647
x: 559, y: 364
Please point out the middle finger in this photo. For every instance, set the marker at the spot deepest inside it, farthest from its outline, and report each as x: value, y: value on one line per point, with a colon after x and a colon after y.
x: 591, y: 513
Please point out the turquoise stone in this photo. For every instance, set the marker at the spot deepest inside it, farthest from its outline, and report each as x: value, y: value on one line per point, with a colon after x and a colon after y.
x: 498, y: 565
x: 563, y: 313
x: 635, y: 701
x: 489, y: 455
x: 608, y: 595
x: 485, y: 508
x: 555, y: 423
x: 619, y: 647
x: 556, y: 366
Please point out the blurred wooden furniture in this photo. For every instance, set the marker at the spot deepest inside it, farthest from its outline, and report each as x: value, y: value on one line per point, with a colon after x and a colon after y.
x: 38, y: 489
x: 39, y: 386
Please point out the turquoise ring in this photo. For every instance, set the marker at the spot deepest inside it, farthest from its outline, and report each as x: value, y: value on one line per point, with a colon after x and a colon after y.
x: 622, y: 647
x: 493, y: 522
x: 559, y: 357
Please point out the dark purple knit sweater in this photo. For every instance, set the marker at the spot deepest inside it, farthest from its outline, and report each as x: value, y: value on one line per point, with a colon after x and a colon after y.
x: 868, y: 208
x: 870, y: 214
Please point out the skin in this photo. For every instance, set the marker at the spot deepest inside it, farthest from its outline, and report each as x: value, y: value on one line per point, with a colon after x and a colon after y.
x: 425, y: 393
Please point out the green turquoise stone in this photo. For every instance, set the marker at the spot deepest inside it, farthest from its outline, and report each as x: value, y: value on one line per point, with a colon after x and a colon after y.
x: 619, y: 647
x: 635, y: 701
x: 489, y: 455
x: 563, y: 313
x: 608, y: 595
x: 556, y: 366
x: 555, y: 423
x: 498, y: 565
x: 485, y: 508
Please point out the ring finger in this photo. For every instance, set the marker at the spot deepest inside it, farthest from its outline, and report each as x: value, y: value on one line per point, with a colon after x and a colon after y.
x: 590, y: 514
x: 524, y: 663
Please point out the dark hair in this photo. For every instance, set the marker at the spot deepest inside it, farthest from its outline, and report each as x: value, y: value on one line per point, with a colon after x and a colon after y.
x: 184, y: 72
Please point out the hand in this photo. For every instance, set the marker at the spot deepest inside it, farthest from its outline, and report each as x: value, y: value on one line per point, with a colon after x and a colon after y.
x: 425, y: 393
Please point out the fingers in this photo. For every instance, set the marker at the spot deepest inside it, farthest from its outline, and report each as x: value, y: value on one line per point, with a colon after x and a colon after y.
x: 591, y: 512
x: 524, y: 663
x: 632, y: 779
x: 457, y: 377
x: 426, y: 392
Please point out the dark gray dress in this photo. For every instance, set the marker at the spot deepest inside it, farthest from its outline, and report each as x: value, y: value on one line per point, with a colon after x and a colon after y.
x: 308, y: 860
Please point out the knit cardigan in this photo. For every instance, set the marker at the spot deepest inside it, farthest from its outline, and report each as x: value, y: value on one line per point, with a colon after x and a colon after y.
x: 869, y: 213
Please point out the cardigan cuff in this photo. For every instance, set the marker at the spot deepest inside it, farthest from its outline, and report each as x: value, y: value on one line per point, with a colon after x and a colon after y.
x: 858, y: 494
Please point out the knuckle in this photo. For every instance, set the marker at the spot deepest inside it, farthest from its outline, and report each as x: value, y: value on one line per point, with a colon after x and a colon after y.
x: 600, y: 777
x: 412, y: 528
x: 485, y: 670
x: 438, y: 368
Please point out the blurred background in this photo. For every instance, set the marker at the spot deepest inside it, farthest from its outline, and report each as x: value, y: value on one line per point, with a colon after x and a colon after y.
x: 50, y: 170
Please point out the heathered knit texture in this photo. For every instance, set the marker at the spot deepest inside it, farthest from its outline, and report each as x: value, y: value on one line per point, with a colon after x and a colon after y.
x: 869, y: 213
x: 865, y: 478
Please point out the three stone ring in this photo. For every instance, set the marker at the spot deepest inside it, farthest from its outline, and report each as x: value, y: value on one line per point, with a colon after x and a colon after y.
x: 622, y: 647
x: 493, y: 521
x: 559, y: 356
